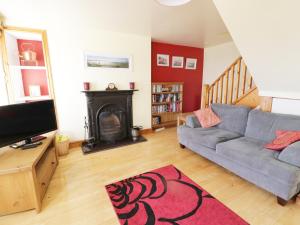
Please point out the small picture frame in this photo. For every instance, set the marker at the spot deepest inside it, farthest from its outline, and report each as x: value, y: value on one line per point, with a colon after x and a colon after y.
x: 162, y: 60
x: 191, y: 64
x: 177, y: 61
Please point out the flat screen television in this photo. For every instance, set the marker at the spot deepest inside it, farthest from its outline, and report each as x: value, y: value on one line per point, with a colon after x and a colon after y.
x: 25, y: 121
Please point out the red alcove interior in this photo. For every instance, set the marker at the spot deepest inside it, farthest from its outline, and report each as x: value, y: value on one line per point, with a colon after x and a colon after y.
x: 192, y: 78
x: 33, y: 76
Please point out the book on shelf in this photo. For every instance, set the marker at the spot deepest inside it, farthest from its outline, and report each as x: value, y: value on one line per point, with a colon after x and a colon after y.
x: 167, y: 101
x: 171, y: 107
x: 156, y: 120
x: 166, y: 98
x: 158, y: 88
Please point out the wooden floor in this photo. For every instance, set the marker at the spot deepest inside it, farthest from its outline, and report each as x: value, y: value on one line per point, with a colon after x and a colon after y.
x: 76, y: 194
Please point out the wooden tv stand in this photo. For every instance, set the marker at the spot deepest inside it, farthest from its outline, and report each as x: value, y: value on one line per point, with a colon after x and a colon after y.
x: 25, y: 176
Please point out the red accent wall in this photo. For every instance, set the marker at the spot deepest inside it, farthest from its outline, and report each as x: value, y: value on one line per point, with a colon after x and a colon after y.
x: 30, y: 76
x: 36, y: 46
x: 192, y: 78
x: 35, y: 77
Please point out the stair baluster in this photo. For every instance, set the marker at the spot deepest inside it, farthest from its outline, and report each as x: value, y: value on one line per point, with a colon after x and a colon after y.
x: 230, y: 87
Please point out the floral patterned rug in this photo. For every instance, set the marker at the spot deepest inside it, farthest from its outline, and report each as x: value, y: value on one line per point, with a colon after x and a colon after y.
x: 166, y: 196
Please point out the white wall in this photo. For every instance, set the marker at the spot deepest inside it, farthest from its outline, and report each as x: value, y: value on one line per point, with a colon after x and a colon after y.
x: 286, y: 106
x: 67, y: 59
x: 217, y: 59
x: 3, y: 94
x: 67, y: 45
x: 267, y: 36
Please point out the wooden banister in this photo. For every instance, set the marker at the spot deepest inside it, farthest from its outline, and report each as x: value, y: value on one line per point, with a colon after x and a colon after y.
x: 244, y: 78
x: 221, y: 90
x: 226, y: 87
x: 205, y: 96
x: 232, y: 84
x: 230, y: 87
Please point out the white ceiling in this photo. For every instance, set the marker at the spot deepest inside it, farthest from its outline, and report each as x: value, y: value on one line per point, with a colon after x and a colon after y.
x: 194, y: 24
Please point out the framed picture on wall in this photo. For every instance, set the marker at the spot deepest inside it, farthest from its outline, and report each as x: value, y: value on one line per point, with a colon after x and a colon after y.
x: 191, y: 64
x: 177, y: 61
x: 106, y: 61
x: 162, y: 60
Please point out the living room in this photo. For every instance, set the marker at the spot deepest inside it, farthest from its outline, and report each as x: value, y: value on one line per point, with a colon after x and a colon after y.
x: 134, y: 122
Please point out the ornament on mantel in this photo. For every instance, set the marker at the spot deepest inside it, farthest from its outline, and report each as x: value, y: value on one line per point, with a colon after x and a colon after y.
x: 86, y: 86
x: 111, y: 87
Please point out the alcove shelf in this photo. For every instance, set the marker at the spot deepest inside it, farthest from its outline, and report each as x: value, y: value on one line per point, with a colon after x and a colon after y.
x: 166, y: 103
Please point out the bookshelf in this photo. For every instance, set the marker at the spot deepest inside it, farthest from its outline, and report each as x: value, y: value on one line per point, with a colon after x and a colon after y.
x: 166, y: 103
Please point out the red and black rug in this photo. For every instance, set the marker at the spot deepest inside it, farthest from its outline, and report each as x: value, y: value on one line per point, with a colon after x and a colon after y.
x: 166, y: 196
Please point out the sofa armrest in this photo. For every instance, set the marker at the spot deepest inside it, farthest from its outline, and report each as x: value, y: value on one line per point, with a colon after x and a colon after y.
x: 291, y: 154
x: 192, y: 121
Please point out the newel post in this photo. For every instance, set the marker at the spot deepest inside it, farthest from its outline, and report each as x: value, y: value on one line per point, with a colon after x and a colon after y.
x: 266, y: 103
x: 204, y: 96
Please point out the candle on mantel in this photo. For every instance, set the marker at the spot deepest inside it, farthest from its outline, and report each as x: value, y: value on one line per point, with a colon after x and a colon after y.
x: 131, y: 85
x: 86, y: 86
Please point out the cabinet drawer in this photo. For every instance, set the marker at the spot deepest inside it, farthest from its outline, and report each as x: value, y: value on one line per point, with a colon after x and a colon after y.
x: 44, y: 170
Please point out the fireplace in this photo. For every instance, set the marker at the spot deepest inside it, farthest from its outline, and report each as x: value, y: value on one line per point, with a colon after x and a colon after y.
x: 111, y: 123
x: 109, y: 120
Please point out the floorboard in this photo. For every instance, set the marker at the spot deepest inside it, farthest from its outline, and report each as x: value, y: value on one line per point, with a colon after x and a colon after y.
x: 76, y: 194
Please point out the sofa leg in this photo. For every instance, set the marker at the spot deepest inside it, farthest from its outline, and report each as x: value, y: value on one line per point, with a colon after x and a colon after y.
x: 281, y: 201
x: 181, y: 145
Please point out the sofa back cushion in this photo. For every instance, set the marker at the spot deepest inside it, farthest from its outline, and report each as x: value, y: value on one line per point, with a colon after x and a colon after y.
x: 233, y: 117
x: 263, y: 125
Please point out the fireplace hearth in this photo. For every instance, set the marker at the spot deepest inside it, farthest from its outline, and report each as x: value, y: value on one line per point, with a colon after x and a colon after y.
x: 109, y: 120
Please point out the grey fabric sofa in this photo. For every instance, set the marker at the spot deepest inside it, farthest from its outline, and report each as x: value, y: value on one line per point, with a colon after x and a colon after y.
x: 237, y: 145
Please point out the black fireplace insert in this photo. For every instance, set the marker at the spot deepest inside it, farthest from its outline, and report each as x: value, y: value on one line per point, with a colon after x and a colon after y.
x: 109, y: 120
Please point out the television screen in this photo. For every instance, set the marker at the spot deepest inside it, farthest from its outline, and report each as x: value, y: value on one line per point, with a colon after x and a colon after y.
x: 23, y: 121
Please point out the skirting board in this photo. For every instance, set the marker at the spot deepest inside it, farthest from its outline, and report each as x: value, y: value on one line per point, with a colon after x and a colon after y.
x: 146, y: 131
x: 76, y: 144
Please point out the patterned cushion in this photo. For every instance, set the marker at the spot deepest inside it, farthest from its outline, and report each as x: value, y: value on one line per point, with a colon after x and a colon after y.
x: 207, y: 117
x: 283, y: 139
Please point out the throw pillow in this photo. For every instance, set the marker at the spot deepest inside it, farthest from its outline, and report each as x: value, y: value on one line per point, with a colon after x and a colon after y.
x: 192, y: 121
x: 291, y: 154
x: 283, y: 139
x: 207, y: 117
x: 280, y: 132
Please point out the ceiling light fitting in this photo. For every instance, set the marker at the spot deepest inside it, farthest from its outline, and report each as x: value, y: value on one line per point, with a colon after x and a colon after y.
x: 173, y: 2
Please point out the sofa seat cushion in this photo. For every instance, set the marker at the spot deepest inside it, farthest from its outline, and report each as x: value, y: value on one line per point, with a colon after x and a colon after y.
x: 251, y: 153
x: 210, y: 137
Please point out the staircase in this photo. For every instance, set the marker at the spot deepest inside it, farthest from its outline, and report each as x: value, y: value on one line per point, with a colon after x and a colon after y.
x: 234, y: 86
